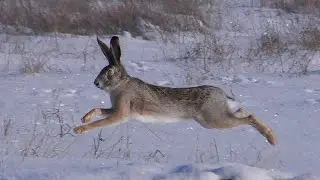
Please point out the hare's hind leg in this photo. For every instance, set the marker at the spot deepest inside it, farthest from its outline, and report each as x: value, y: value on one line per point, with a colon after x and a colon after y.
x: 240, y: 117
x: 263, y: 129
x: 210, y: 120
x: 258, y: 125
x: 95, y: 112
x: 241, y: 113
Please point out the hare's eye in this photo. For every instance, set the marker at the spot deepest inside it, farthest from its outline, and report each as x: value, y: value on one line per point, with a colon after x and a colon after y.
x: 111, y: 72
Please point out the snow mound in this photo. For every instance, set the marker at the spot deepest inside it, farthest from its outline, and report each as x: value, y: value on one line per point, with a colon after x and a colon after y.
x: 51, y: 169
x: 230, y: 172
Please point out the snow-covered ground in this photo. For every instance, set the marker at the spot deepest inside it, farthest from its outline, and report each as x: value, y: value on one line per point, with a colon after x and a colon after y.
x: 42, y: 106
x: 75, y: 169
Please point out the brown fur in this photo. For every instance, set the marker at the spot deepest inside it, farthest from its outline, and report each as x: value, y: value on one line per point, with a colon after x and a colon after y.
x: 132, y: 97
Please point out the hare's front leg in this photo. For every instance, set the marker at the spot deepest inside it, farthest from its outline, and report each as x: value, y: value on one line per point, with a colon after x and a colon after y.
x: 119, y: 114
x: 112, y: 119
x: 95, y: 112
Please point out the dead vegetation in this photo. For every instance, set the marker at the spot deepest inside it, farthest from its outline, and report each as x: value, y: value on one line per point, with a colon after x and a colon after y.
x: 288, y: 52
x: 101, y: 17
x: 310, y: 39
x: 145, y: 17
x: 271, y: 43
x: 294, y: 6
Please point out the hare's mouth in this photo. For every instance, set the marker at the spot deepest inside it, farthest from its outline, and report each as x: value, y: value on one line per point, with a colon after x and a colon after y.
x: 98, y: 84
x: 100, y: 87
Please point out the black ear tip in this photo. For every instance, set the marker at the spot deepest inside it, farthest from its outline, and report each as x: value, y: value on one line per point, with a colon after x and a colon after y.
x: 115, y: 38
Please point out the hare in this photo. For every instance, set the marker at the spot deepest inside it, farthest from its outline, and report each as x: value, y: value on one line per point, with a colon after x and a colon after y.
x: 133, y: 98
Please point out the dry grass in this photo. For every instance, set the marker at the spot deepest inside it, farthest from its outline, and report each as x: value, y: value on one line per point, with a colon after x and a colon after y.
x: 294, y: 6
x: 285, y: 53
x: 30, y: 66
x: 35, y: 62
x: 271, y: 43
x: 310, y: 39
x: 96, y: 17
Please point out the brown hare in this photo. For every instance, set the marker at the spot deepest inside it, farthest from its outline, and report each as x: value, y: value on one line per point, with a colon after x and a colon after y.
x: 133, y: 98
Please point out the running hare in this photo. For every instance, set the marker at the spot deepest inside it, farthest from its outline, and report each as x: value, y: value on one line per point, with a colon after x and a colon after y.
x: 133, y: 98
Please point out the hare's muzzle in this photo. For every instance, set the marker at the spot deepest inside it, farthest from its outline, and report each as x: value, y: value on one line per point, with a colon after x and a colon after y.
x: 97, y: 83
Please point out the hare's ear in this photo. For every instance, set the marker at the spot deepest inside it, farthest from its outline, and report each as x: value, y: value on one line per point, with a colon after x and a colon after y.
x: 115, y: 48
x: 107, y: 52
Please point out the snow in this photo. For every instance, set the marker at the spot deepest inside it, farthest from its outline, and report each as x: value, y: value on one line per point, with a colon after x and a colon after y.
x: 38, y: 169
x: 39, y: 111
x: 36, y: 104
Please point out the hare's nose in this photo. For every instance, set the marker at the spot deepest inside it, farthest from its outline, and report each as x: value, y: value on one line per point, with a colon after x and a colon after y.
x: 96, y: 83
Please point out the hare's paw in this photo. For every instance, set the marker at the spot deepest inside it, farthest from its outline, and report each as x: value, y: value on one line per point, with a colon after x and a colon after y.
x: 271, y: 137
x: 80, y: 129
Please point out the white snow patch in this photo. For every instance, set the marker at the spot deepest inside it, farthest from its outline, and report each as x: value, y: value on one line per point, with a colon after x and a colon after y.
x: 47, y: 90
x: 309, y: 90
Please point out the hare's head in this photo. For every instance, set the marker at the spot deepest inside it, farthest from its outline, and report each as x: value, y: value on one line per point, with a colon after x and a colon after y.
x: 114, y: 74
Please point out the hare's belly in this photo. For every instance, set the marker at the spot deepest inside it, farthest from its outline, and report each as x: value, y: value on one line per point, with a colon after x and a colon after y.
x: 154, y: 119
